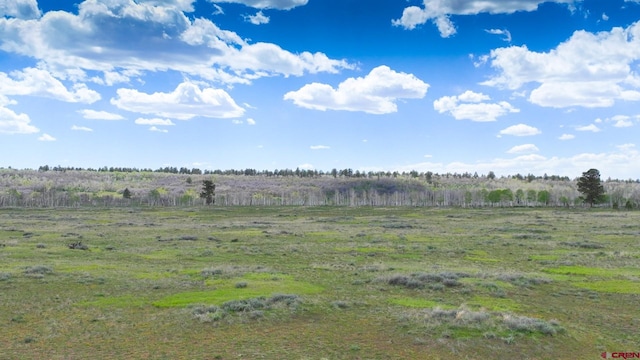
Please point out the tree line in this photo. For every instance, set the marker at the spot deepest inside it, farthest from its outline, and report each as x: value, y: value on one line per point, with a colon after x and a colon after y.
x: 30, y: 188
x: 335, y: 173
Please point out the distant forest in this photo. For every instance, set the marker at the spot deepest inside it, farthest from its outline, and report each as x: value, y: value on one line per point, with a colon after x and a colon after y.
x: 59, y: 186
x: 301, y: 173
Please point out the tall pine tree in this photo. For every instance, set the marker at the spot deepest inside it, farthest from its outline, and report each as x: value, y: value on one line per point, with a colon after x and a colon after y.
x: 208, y: 192
x: 590, y: 186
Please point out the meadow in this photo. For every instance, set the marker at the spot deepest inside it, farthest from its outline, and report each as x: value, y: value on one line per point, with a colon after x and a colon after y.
x: 318, y: 283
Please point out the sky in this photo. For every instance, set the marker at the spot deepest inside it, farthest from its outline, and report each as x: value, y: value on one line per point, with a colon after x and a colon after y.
x: 513, y: 87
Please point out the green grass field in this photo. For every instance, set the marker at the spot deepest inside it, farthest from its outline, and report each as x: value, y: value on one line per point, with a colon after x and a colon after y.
x: 318, y: 283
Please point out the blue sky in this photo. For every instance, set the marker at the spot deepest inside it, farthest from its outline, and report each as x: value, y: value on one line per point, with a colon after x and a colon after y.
x: 430, y: 85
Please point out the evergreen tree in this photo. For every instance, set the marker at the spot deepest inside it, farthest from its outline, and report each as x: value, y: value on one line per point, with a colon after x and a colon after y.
x: 208, y: 192
x: 590, y: 186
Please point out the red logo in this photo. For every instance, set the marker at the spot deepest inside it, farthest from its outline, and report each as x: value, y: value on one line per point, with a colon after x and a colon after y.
x: 620, y: 355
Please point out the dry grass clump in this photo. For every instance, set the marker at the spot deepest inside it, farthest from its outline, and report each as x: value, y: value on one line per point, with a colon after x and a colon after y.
x: 434, y: 281
x: 229, y: 271
x: 522, y: 280
x: 531, y: 325
x: 38, y: 271
x: 451, y: 321
x: 253, y: 308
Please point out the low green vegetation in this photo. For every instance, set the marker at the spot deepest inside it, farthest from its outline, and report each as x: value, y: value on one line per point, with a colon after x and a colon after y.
x: 318, y: 283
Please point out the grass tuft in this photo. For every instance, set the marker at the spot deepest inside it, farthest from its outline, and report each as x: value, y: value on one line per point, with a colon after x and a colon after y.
x: 38, y: 270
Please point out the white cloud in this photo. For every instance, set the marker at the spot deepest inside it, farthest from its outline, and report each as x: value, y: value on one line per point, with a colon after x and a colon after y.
x: 588, y: 70
x: 237, y: 122
x: 319, y: 147
x: 622, y: 163
x: 627, y: 147
x: 185, y: 102
x: 445, y: 26
x: 218, y: 11
x: 4, y: 101
x: 470, y: 106
x: 605, y: 17
x: 585, y: 94
x: 621, y: 121
x: 67, y: 45
x: 258, y: 19
x: 526, y: 148
x: 266, y: 59
x: 412, y: 16
x: 567, y: 137
x: 520, y: 130
x: 155, y: 129
x: 81, y: 128
x: 376, y: 93
x: 21, y: 9
x: 154, y: 121
x: 505, y: 33
x: 46, y: 137
x: 99, y: 115
x: 306, y: 167
x: 251, y: 121
x: 439, y: 11
x: 592, y: 128
x: 267, y: 4
x: 12, y: 123
x: 112, y: 77
x: 38, y: 82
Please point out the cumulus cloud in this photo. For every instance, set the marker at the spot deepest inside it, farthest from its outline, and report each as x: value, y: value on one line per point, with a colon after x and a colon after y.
x: 81, y: 128
x: 13, y: 123
x: 473, y: 106
x: 46, y: 137
x: 99, y: 115
x: 526, y: 148
x: 106, y: 37
x: 588, y: 70
x: 258, y: 19
x: 21, y: 9
x: 621, y: 121
x: 267, y: 4
x: 154, y: 122
x: 591, y: 128
x: 4, y: 101
x: 520, y: 130
x: 439, y: 11
x: 376, y: 93
x: 266, y: 59
x: 567, y: 137
x: 251, y: 121
x: 185, y: 102
x: 38, y: 82
x: 319, y: 147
